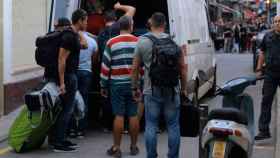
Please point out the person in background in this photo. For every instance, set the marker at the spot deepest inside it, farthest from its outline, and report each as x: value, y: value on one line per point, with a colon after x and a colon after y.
x: 112, y: 29
x: 115, y: 76
x: 243, y: 35
x: 236, y: 38
x: 68, y: 62
x: 228, y: 38
x: 269, y: 56
x: 156, y: 98
x: 84, y: 74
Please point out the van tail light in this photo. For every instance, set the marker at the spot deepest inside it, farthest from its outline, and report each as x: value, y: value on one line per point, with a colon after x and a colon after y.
x: 238, y: 133
x: 221, y: 131
x: 225, y: 132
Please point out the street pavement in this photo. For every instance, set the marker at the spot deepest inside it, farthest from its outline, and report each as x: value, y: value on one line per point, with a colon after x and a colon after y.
x: 96, y: 143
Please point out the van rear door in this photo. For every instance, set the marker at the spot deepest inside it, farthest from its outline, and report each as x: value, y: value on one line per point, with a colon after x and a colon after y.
x: 62, y: 8
x: 176, y: 21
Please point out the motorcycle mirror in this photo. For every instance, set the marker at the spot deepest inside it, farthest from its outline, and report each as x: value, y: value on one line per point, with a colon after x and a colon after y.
x: 202, y: 75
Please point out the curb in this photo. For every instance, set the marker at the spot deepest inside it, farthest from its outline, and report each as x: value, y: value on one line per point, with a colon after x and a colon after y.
x: 277, y: 145
x: 3, y: 138
x: 6, y: 122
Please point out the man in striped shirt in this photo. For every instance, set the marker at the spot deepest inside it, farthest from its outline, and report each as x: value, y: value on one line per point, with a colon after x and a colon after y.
x: 116, y: 77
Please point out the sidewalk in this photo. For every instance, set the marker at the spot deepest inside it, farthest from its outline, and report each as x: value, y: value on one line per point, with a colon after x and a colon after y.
x: 6, y: 122
x: 277, y: 146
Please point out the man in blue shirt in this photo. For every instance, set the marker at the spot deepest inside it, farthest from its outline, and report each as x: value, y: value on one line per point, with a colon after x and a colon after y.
x: 84, y: 74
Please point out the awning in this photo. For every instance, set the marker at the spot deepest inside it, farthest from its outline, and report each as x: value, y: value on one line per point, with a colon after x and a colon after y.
x: 225, y: 8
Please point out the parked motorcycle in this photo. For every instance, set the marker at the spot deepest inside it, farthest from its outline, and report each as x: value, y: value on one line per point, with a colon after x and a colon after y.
x: 229, y: 132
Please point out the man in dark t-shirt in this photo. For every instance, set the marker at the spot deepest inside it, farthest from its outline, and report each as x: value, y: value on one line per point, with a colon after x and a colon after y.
x: 112, y: 27
x: 270, y: 56
x: 68, y: 62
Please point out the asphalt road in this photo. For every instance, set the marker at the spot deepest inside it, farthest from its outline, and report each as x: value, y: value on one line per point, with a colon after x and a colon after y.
x: 96, y: 143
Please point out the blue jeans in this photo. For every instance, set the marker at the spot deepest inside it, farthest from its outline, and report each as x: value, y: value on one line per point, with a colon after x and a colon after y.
x: 84, y: 81
x: 170, y: 105
x: 68, y: 100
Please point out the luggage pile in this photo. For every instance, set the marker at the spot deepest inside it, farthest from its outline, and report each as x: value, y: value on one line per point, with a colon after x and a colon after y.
x: 32, y: 125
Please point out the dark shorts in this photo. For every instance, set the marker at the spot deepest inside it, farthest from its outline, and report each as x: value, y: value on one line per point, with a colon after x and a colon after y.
x: 123, y: 103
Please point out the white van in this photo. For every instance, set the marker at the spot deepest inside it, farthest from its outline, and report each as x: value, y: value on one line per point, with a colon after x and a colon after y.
x: 188, y: 25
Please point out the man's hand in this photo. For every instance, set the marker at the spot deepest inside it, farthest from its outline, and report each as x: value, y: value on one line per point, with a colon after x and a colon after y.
x: 104, y: 92
x: 129, y: 10
x: 136, y: 94
x: 83, y: 41
x: 184, y: 93
x: 117, y: 6
x: 96, y: 58
x: 259, y: 73
x: 62, y: 89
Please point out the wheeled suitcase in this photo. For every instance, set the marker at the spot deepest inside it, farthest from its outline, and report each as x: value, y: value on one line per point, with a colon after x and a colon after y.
x: 31, y: 127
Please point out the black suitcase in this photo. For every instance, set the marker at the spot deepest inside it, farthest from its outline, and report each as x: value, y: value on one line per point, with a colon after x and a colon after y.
x: 189, y: 118
x: 38, y: 99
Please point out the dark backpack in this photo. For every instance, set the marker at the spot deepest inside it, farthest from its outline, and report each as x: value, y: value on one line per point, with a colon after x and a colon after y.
x: 272, y: 56
x: 46, y: 53
x: 164, y: 69
x: 104, y: 36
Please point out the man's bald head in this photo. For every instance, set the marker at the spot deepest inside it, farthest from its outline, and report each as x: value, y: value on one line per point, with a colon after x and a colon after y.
x: 276, y: 24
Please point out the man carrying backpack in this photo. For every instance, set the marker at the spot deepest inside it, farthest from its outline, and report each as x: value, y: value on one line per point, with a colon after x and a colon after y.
x: 270, y: 55
x: 164, y: 67
x: 68, y: 61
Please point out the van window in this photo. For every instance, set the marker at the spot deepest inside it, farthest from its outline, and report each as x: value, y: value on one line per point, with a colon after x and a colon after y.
x: 204, y: 30
x: 62, y: 8
x: 144, y: 10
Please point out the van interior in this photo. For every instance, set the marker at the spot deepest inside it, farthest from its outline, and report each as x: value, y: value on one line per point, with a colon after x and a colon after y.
x: 144, y: 9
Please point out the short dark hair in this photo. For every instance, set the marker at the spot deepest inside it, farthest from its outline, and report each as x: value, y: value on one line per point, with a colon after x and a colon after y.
x: 158, y: 19
x: 77, y: 15
x: 110, y: 15
x: 125, y: 22
x: 63, y: 21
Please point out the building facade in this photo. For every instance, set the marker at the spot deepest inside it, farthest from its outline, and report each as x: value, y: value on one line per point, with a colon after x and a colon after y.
x: 21, y: 22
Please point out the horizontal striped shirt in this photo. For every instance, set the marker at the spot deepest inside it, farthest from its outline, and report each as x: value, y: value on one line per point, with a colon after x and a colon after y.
x: 117, y: 60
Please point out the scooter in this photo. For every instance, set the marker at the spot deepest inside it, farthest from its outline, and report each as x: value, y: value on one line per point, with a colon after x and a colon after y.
x: 229, y: 132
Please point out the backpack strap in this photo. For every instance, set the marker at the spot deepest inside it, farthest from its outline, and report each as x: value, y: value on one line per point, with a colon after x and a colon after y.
x: 151, y: 37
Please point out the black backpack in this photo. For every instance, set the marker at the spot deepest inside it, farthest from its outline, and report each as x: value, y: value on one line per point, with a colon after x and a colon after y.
x: 105, y: 35
x: 272, y: 57
x: 164, y: 69
x: 46, y: 53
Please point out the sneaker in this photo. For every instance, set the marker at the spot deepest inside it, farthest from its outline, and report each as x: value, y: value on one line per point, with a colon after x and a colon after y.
x: 262, y: 135
x: 70, y: 144
x: 114, y: 152
x: 80, y: 135
x: 51, y: 146
x: 63, y: 149
x: 106, y: 130
x: 72, y: 134
x: 125, y: 132
x: 159, y: 131
x: 134, y: 150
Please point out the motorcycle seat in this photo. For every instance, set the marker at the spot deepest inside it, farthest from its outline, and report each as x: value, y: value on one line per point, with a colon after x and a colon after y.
x: 229, y: 114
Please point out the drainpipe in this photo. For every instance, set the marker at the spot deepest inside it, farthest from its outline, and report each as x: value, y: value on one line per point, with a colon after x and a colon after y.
x: 1, y: 60
x: 278, y: 8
